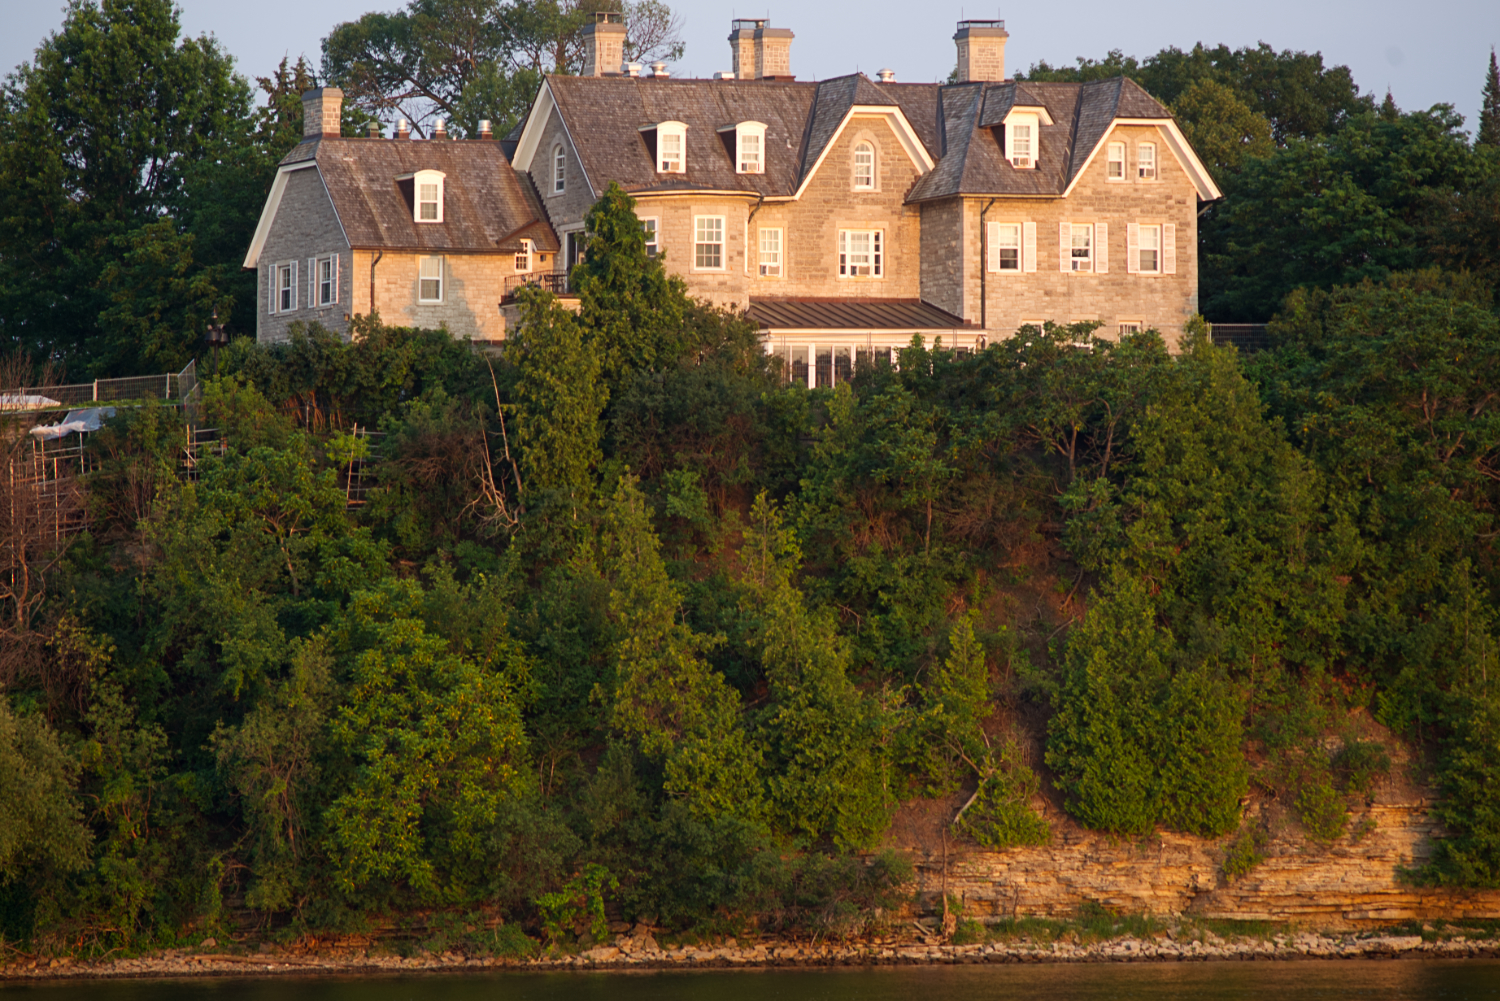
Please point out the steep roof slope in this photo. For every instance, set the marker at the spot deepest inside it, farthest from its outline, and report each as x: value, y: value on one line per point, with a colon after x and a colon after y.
x: 487, y: 205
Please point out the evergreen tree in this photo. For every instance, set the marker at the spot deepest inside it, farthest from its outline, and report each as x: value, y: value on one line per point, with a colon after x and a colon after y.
x: 1489, y: 107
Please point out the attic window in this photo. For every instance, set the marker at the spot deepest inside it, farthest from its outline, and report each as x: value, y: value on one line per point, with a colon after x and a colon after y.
x: 750, y: 148
x: 1021, y: 140
x: 427, y: 189
x: 671, y: 148
x: 864, y: 167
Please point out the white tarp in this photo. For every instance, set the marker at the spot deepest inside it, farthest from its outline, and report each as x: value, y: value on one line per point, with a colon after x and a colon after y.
x: 27, y: 401
x: 76, y: 421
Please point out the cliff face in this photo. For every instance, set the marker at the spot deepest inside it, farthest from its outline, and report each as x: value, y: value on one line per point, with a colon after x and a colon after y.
x: 1350, y: 884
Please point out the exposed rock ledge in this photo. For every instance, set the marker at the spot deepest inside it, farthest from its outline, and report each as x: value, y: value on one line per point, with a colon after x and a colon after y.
x: 1355, y: 883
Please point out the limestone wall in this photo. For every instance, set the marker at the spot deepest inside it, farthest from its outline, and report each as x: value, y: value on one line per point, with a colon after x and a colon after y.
x: 1348, y: 885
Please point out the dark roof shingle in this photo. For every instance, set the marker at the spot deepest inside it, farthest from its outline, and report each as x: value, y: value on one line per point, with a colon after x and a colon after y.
x: 812, y: 313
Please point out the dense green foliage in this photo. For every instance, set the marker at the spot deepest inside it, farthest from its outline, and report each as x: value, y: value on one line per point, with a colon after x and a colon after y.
x: 618, y: 625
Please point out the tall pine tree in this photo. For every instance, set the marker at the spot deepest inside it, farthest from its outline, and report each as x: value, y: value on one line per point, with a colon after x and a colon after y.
x: 1489, y: 107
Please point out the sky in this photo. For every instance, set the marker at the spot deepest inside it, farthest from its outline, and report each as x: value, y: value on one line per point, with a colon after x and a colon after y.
x: 1434, y: 52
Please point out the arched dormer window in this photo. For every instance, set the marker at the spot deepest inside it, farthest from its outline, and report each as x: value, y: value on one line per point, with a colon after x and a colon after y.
x: 671, y: 148
x: 559, y: 170
x: 750, y: 145
x: 427, y: 200
x: 864, y: 167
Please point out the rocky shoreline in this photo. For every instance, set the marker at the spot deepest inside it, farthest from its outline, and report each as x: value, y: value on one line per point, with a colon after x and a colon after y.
x: 642, y: 952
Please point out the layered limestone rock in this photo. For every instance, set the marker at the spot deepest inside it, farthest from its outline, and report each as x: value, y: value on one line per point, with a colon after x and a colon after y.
x: 1355, y: 882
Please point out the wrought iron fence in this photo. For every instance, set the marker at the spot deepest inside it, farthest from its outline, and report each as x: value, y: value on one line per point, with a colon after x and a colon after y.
x: 555, y: 282
x: 1245, y: 336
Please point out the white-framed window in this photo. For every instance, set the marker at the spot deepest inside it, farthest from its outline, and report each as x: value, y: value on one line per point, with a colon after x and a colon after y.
x: 671, y: 148
x: 750, y: 148
x: 708, y: 243
x: 649, y: 226
x: 864, y: 167
x: 559, y: 170
x: 1114, y: 165
x: 523, y: 256
x: 1021, y: 140
x: 1080, y: 246
x: 427, y: 196
x: 770, y: 252
x: 1148, y: 250
x: 1130, y: 327
x: 1145, y: 161
x: 430, y: 279
x: 284, y: 287
x: 1005, y: 249
x: 325, y: 290
x: 861, y: 253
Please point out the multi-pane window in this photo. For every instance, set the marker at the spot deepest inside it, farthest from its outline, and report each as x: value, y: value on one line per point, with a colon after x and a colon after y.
x: 860, y: 253
x: 1130, y: 327
x: 708, y: 243
x: 671, y: 140
x: 649, y: 226
x: 1149, y: 249
x: 427, y: 202
x: 1114, y: 167
x: 1082, y: 247
x: 326, y: 274
x: 430, y: 280
x: 864, y: 167
x: 1145, y: 161
x: 523, y: 256
x: 559, y: 169
x: 1007, y: 247
x: 750, y: 147
x: 1021, y: 152
x: 284, y: 299
x: 770, y: 253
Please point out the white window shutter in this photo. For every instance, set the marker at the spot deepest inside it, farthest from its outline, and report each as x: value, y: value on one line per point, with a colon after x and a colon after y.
x: 312, y: 282
x: 1065, y: 247
x: 1169, y: 249
x: 992, y: 253
x: 1101, y: 248
x: 1132, y: 248
x: 1028, y: 238
x: 336, y: 259
x: 295, y: 286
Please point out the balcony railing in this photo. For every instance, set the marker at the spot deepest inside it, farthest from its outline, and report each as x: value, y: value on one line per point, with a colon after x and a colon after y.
x: 1245, y: 336
x: 555, y: 282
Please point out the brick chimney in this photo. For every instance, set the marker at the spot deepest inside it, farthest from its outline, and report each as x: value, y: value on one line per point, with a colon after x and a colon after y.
x: 604, y: 45
x: 981, y: 50
x: 321, y: 110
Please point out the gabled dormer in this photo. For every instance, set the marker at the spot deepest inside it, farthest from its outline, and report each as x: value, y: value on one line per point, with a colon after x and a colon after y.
x: 423, y: 190
x: 1021, y: 133
x: 667, y: 142
x: 745, y: 142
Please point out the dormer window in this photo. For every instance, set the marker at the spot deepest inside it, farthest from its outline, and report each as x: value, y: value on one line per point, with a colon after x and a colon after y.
x: 523, y: 256
x: 1023, y: 135
x: 427, y: 192
x: 671, y: 148
x: 750, y: 145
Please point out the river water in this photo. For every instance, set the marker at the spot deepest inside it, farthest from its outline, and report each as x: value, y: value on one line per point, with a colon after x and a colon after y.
x: 1375, y: 980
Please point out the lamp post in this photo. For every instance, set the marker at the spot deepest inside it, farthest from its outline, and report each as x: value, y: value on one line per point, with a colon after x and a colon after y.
x: 215, y: 337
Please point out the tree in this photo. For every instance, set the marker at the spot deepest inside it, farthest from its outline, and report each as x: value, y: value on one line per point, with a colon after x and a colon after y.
x: 467, y: 60
x: 632, y: 307
x: 104, y: 131
x: 1222, y: 129
x: 1489, y: 107
x: 40, y: 819
x: 559, y: 399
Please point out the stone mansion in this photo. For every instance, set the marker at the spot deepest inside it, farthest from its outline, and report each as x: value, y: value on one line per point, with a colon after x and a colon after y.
x: 843, y: 215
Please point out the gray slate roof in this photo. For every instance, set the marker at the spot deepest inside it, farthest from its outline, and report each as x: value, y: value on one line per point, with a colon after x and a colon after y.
x: 957, y: 124
x: 487, y: 204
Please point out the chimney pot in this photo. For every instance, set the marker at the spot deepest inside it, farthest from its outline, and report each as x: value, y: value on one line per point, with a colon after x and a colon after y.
x: 632, y: 69
x: 321, y: 111
x: 374, y: 130
x: 659, y: 70
x: 485, y: 132
x: 887, y: 76
x: 439, y: 129
x: 403, y: 129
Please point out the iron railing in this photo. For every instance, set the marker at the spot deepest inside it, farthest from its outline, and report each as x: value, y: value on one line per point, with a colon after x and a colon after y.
x: 555, y: 282
x: 1244, y: 336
